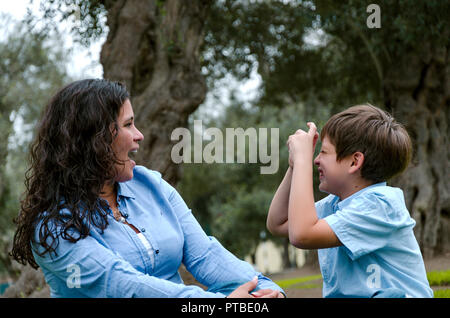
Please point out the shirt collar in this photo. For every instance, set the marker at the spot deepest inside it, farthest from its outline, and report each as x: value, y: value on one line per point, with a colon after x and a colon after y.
x: 124, y: 190
x: 340, y: 204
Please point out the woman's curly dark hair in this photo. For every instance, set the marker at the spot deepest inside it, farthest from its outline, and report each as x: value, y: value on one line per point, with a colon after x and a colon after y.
x: 71, y: 158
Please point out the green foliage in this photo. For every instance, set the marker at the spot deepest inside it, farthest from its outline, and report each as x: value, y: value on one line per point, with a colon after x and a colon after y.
x: 275, y: 37
x: 87, y: 17
x: 240, y: 33
x: 32, y: 68
x: 348, y: 63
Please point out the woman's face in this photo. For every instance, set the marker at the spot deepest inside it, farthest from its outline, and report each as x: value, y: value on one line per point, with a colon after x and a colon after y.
x: 125, y: 142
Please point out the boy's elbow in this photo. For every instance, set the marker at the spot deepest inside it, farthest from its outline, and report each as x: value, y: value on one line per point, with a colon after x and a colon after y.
x: 271, y: 228
x: 300, y: 241
x: 276, y: 230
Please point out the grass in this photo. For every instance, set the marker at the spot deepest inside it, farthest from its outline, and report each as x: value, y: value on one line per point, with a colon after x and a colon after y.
x: 439, y: 278
x: 442, y: 293
x: 289, y: 283
x: 435, y: 278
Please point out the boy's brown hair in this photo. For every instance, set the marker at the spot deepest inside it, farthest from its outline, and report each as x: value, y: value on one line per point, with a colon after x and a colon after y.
x: 384, y: 142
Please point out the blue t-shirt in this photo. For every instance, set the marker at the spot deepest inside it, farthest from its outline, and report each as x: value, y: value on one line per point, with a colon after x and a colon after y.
x: 379, y: 251
x: 119, y: 263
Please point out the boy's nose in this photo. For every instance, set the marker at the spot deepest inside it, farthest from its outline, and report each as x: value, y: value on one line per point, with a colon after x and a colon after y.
x: 316, y: 160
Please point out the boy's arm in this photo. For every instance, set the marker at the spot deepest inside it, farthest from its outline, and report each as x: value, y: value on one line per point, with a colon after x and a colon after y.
x: 277, y: 219
x: 305, y: 229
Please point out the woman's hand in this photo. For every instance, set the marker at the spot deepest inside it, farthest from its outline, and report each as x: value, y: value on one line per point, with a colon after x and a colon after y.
x: 268, y: 293
x: 244, y: 290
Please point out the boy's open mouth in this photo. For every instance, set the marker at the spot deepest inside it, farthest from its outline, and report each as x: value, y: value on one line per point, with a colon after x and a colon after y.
x: 320, y: 173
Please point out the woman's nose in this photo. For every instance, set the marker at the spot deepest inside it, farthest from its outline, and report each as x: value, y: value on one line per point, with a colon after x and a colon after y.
x: 139, y: 136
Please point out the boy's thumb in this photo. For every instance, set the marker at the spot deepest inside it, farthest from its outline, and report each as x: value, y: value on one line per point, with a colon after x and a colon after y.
x: 312, y: 128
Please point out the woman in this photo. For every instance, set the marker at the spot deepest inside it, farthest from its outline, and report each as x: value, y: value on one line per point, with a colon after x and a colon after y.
x: 100, y: 226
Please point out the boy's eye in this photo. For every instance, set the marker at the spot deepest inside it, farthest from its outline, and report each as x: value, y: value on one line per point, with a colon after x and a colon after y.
x: 128, y: 124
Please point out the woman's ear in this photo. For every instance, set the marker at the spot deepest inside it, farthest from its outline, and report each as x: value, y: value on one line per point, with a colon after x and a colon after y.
x: 357, y: 162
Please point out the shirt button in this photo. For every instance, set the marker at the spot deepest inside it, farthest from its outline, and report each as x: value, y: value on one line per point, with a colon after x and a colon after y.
x: 143, y: 230
x: 157, y: 251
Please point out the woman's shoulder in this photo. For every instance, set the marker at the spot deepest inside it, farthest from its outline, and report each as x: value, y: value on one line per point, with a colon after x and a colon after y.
x: 144, y: 177
x: 142, y: 171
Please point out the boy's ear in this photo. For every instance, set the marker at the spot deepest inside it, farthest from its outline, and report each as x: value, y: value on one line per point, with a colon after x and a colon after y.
x: 357, y: 162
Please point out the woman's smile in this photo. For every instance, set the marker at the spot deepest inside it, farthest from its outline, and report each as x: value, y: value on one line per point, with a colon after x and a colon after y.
x: 125, y: 144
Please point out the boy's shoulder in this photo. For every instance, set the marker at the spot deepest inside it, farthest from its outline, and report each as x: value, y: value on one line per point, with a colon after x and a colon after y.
x: 379, y: 203
x: 379, y: 198
x: 380, y: 195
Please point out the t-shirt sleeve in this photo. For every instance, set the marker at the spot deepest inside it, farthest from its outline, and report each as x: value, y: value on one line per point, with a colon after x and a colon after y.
x: 365, y: 225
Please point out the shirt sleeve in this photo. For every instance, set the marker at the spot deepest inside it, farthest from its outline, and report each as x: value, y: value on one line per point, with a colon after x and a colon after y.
x: 89, y: 269
x: 365, y: 225
x: 206, y: 259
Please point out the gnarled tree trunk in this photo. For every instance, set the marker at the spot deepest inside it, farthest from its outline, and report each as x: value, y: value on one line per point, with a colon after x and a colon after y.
x: 417, y: 92
x: 154, y: 47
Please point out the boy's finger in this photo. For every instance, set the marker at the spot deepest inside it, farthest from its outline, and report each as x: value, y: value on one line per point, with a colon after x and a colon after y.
x: 312, y: 128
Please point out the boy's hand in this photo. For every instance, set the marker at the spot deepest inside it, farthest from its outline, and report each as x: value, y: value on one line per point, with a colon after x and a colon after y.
x: 302, y: 144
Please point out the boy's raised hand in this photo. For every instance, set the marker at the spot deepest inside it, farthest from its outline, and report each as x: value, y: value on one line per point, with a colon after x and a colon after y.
x: 301, y: 145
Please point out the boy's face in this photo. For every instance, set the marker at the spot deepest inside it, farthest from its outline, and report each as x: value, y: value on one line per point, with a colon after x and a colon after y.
x: 333, y: 175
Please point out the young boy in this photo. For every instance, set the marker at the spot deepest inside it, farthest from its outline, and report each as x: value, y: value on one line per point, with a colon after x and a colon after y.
x: 362, y: 229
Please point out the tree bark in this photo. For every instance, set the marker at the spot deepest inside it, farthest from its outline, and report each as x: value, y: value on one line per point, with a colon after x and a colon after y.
x: 154, y: 48
x: 417, y: 93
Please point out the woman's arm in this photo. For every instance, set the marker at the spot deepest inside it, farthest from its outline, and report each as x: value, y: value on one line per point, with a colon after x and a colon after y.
x: 206, y: 259
x: 89, y: 269
x: 277, y: 219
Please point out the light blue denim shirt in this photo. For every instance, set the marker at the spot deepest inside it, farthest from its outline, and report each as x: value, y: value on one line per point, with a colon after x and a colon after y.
x: 116, y: 263
x: 379, y: 252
